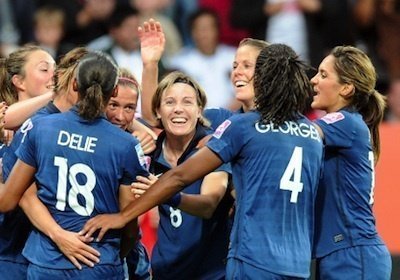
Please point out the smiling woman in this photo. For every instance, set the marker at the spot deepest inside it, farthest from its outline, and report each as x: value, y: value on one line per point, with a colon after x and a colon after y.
x: 121, y: 108
x: 198, y: 218
x: 26, y: 73
x: 350, y: 246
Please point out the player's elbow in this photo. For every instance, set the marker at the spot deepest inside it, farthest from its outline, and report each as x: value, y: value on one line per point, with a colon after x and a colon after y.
x: 6, y: 206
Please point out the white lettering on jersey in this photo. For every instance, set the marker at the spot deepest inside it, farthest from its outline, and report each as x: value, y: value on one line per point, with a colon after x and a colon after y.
x: 221, y: 128
x: 293, y: 128
x: 26, y: 126
x: 76, y: 141
x: 332, y: 117
x: 142, y: 158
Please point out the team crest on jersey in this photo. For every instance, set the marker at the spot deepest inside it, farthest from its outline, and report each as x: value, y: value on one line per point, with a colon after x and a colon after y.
x: 141, y: 156
x: 221, y: 128
x: 26, y: 126
x: 332, y: 117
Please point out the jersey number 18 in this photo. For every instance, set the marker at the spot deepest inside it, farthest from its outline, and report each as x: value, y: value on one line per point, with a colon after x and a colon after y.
x: 70, y: 174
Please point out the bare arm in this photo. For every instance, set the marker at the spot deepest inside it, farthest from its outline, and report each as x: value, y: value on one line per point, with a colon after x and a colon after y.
x: 19, y: 112
x: 202, y: 205
x: 131, y: 230
x: 194, y: 168
x: 213, y: 189
x: 152, y: 43
x: 71, y: 244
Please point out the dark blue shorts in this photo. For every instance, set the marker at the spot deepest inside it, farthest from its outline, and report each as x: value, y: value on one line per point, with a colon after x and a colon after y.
x: 111, y: 272
x: 360, y: 262
x: 238, y: 270
x: 12, y: 270
x: 138, y: 263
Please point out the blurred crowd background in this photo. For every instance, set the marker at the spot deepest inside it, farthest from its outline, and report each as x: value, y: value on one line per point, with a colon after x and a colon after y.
x: 202, y: 34
x: 202, y: 37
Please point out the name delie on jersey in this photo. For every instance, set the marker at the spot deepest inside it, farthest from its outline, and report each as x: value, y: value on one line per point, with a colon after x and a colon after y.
x: 76, y: 142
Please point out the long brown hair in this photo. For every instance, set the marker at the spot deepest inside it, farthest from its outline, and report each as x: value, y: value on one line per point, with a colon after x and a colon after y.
x: 14, y: 64
x: 354, y: 67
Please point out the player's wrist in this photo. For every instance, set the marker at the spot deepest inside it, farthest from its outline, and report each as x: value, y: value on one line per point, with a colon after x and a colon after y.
x: 175, y: 200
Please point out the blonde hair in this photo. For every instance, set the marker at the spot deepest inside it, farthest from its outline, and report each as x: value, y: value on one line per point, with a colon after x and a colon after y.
x: 171, y: 79
x: 126, y: 78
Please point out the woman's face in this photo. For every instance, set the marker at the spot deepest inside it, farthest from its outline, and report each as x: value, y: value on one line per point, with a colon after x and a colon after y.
x: 242, y: 75
x: 179, y: 111
x: 39, y: 71
x: 121, y: 108
x: 327, y: 87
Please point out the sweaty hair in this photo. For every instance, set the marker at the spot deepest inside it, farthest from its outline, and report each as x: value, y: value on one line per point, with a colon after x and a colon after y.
x: 126, y: 78
x: 255, y: 43
x: 14, y: 65
x: 96, y: 79
x: 66, y: 68
x: 281, y: 84
x: 354, y: 67
x: 167, y: 82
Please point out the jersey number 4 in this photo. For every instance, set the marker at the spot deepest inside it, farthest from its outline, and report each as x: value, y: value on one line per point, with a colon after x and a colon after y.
x: 65, y: 175
x: 291, y: 178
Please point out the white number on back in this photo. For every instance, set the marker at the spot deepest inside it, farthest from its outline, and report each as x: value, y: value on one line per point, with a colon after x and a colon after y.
x: 372, y: 162
x: 85, y: 190
x: 291, y: 178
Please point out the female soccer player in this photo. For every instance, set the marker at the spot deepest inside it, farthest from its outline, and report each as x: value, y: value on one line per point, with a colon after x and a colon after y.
x: 347, y: 244
x: 193, y: 233
x: 79, y: 175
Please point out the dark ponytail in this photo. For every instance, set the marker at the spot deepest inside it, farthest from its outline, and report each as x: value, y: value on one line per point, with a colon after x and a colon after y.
x: 96, y: 78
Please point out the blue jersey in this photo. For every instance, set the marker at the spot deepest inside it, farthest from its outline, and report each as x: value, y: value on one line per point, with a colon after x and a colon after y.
x: 14, y: 225
x: 190, y: 247
x: 275, y: 173
x: 344, y: 215
x: 216, y: 116
x: 79, y: 168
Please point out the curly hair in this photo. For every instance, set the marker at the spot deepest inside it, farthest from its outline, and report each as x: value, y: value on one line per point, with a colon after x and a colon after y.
x: 281, y: 84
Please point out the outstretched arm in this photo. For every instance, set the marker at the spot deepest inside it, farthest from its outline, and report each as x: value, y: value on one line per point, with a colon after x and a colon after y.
x: 194, y: 168
x: 152, y: 44
x: 19, y: 112
x: 71, y: 244
x: 202, y: 205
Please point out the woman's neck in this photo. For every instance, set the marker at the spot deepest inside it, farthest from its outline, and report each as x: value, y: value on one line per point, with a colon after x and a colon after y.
x: 174, y: 146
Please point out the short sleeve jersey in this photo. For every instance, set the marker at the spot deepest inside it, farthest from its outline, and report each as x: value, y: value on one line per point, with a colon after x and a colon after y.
x: 190, y: 247
x: 344, y: 214
x: 79, y: 168
x: 275, y: 173
x: 14, y: 225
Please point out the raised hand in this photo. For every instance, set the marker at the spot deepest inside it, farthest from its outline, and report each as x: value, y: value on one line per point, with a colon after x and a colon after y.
x: 152, y: 41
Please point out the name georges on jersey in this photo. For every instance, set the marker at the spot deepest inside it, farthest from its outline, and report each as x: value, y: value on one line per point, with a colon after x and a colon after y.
x: 290, y: 127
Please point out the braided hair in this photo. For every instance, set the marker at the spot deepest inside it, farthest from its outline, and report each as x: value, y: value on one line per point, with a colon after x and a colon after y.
x: 281, y: 85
